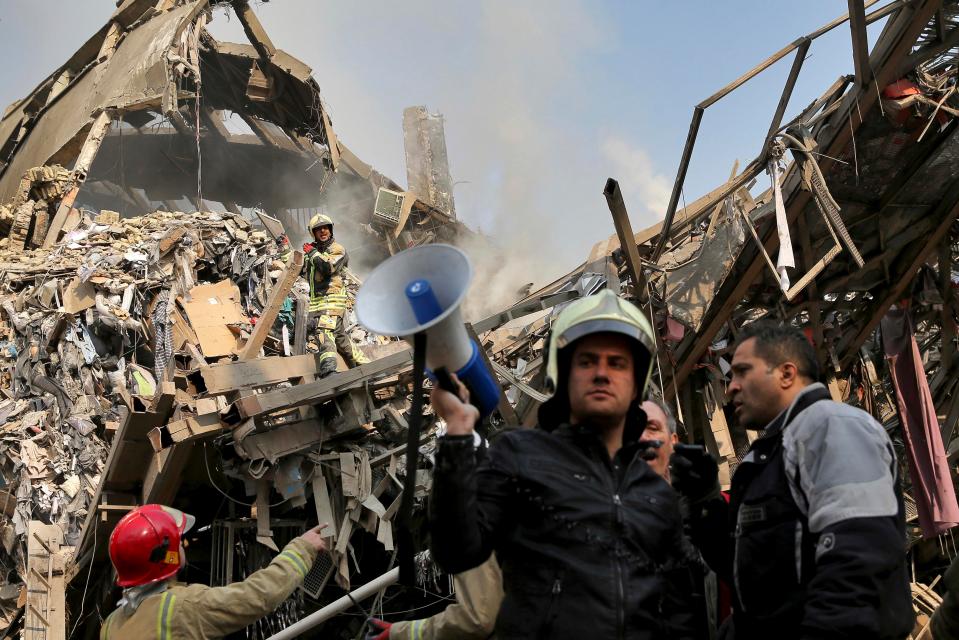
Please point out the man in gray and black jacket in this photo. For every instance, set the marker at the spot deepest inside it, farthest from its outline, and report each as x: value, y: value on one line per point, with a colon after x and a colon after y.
x: 813, y: 538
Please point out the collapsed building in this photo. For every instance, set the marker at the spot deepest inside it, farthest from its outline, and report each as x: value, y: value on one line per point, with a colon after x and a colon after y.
x: 155, y: 341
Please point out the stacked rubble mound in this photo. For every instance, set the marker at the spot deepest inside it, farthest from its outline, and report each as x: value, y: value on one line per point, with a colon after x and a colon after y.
x: 89, y: 326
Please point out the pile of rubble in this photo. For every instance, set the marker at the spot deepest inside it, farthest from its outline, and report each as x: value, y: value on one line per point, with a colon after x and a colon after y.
x: 89, y: 328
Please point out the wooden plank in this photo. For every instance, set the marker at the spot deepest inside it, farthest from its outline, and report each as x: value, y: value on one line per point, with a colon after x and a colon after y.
x: 165, y: 474
x: 860, y: 45
x: 218, y: 379
x: 92, y: 521
x: 253, y: 405
x: 275, y: 301
x: 254, y: 30
x: 193, y: 428
x: 810, y: 275
x: 697, y: 118
x: 46, y: 602
x: 624, y: 230
x: 300, y: 324
x: 787, y: 92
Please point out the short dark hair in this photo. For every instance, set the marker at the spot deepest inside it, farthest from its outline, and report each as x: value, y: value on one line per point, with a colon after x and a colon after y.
x: 778, y: 343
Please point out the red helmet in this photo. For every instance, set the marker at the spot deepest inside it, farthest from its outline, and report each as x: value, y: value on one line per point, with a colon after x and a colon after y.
x: 145, y: 545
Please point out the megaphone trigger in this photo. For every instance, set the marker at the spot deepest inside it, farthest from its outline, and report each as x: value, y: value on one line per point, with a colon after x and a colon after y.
x: 445, y: 381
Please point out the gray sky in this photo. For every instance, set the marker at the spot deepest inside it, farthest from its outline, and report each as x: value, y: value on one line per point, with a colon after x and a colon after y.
x: 543, y: 99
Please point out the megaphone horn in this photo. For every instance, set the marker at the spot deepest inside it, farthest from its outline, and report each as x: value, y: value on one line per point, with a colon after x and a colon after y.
x: 421, y: 290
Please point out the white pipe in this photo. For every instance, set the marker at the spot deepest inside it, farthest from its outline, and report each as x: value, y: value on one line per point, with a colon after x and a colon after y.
x: 338, y: 606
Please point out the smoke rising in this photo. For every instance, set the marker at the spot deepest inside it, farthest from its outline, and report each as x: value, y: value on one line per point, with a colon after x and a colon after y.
x: 512, y: 83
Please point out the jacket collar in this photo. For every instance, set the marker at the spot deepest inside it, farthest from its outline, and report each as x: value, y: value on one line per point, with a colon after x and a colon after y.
x: 586, y: 436
x: 809, y: 395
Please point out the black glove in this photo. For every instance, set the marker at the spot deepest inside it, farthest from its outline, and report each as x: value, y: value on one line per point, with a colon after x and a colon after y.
x: 648, y: 448
x: 694, y: 473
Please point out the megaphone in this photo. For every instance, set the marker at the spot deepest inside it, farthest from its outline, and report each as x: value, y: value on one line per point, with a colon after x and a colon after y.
x: 421, y: 290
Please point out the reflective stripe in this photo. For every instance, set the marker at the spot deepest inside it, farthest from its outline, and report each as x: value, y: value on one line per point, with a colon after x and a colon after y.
x: 294, y: 559
x: 165, y: 616
x: 332, y: 302
x: 326, y: 355
x: 416, y: 629
x: 106, y: 627
x: 798, y: 552
x: 358, y: 357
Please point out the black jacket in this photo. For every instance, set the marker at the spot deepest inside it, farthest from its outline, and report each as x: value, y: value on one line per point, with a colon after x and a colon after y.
x: 590, y: 548
x: 813, y: 539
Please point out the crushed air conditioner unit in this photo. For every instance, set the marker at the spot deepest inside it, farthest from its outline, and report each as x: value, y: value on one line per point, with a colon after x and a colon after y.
x: 386, y: 211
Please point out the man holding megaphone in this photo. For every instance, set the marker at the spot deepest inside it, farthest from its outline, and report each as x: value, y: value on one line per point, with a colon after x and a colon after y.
x: 588, y: 535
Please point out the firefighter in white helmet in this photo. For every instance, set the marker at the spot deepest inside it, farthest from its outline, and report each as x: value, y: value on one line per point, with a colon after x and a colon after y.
x: 323, y: 266
x: 588, y: 535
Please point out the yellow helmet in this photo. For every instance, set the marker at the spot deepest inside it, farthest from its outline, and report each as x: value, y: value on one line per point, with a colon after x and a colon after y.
x: 320, y: 220
x: 604, y: 312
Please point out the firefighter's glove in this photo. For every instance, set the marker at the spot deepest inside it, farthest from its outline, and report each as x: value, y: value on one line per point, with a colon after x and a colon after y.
x: 694, y: 473
x: 648, y: 449
x: 377, y: 629
x: 308, y: 247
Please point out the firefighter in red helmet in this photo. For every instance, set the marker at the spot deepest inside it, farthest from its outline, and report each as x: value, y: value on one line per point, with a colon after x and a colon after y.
x: 146, y: 549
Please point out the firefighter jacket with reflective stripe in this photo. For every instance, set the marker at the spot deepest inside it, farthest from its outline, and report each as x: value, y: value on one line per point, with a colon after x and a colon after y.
x: 198, y: 612
x: 816, y: 529
x: 323, y: 269
x: 479, y: 593
x: 591, y: 547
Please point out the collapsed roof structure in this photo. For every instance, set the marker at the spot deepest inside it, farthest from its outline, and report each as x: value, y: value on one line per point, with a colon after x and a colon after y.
x: 142, y: 233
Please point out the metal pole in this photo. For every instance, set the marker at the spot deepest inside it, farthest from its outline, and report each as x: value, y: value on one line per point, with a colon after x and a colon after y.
x: 338, y: 606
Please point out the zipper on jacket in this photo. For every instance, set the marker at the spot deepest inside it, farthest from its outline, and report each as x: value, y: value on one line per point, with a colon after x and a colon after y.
x: 547, y: 628
x: 620, y: 587
x: 739, y: 592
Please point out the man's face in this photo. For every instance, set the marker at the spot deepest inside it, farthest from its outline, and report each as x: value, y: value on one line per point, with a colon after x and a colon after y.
x: 658, y: 429
x: 602, y: 382
x: 322, y: 234
x: 757, y: 390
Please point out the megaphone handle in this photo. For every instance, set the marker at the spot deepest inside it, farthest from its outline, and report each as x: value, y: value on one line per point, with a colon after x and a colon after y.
x: 445, y: 381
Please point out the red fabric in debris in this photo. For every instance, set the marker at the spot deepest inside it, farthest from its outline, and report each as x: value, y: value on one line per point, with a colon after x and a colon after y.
x: 900, y: 89
x: 932, y: 486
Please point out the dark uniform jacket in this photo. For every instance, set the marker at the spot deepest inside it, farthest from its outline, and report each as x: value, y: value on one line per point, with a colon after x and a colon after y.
x: 813, y: 538
x: 590, y: 547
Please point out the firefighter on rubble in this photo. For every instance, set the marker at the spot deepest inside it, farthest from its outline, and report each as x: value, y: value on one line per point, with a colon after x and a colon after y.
x: 325, y: 260
x: 147, y: 550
